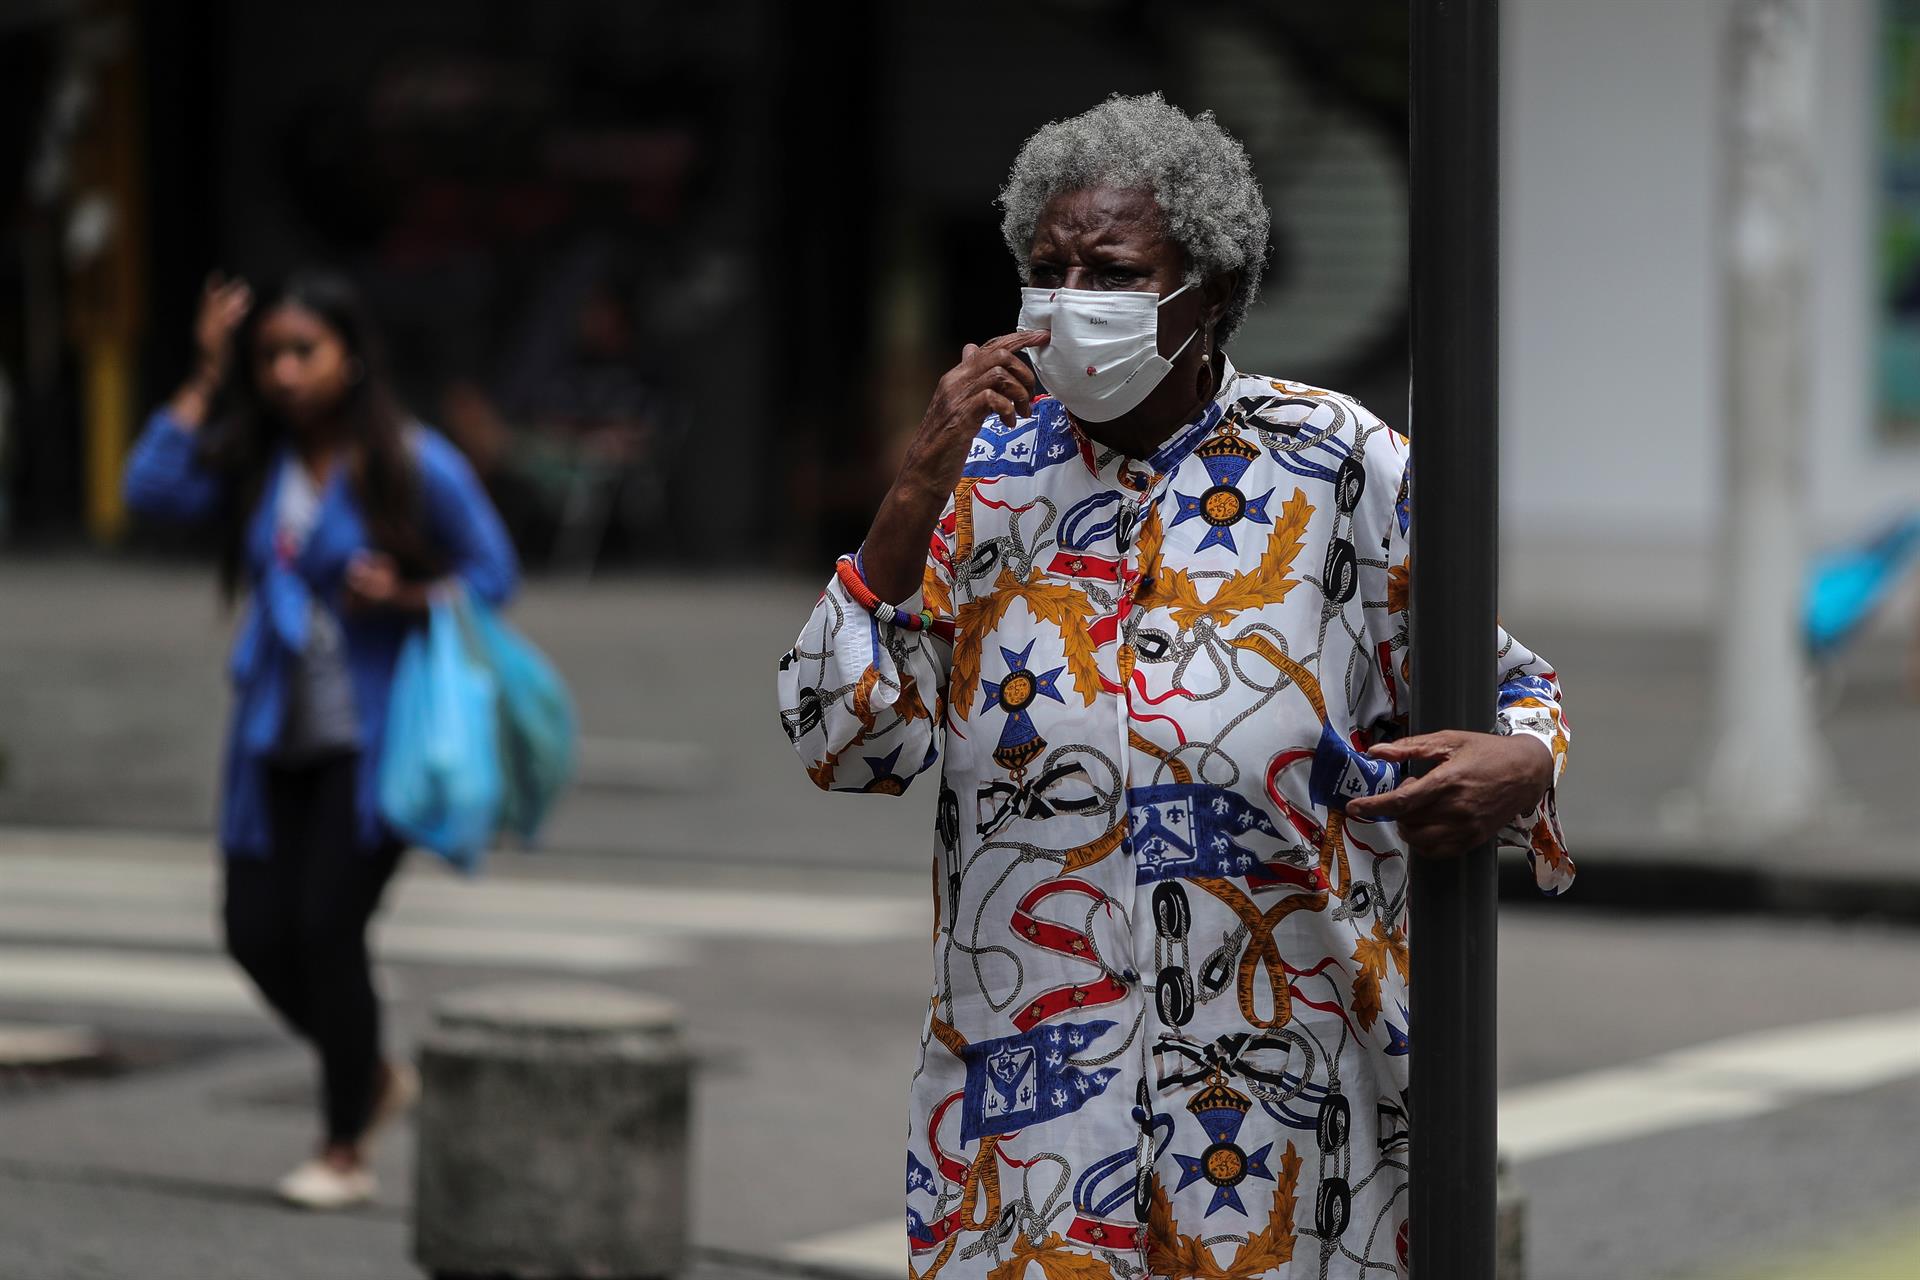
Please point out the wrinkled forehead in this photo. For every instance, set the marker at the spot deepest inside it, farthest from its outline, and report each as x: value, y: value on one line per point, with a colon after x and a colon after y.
x: 1100, y: 216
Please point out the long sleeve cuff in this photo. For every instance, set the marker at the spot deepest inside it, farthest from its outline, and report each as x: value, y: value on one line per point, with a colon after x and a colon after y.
x: 1537, y: 832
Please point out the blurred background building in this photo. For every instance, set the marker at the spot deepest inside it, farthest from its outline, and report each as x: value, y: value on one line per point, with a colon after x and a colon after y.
x: 678, y: 276
x: 675, y: 276
x: 1612, y: 390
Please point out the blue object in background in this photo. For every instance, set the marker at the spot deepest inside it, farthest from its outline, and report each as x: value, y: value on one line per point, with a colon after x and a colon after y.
x: 1845, y: 587
x: 440, y: 781
x: 539, y: 733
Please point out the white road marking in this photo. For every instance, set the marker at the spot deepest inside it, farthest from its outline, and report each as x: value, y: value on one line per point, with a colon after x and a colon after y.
x: 468, y: 942
x: 1612, y: 1106
x: 30, y: 1046
x: 879, y: 1249
x: 123, y: 979
x: 477, y: 943
x: 1744, y: 1075
x: 432, y: 897
x: 122, y: 931
x: 1731, y: 1079
x: 775, y: 916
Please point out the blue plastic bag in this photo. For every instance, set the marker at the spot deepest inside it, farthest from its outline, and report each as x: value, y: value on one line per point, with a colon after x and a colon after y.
x: 440, y: 779
x: 538, y: 731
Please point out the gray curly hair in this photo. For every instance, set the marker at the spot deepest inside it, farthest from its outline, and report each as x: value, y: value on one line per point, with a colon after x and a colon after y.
x: 1197, y: 171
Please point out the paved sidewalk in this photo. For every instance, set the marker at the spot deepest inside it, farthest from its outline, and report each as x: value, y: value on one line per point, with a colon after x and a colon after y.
x: 1690, y: 1115
x: 113, y: 702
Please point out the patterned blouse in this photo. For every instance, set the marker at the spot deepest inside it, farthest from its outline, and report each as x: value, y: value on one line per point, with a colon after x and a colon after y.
x: 1168, y: 1025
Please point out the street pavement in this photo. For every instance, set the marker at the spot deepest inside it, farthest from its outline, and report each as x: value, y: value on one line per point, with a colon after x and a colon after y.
x: 1679, y: 1097
x: 803, y: 1023
x: 1689, y: 1096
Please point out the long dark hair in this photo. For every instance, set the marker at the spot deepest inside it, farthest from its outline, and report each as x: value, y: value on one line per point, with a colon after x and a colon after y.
x: 246, y: 433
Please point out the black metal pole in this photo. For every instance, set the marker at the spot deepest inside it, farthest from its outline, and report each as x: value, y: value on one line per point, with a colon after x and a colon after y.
x: 1454, y: 198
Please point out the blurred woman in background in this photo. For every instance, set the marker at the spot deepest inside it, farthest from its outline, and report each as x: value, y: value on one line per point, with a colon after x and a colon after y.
x: 340, y: 517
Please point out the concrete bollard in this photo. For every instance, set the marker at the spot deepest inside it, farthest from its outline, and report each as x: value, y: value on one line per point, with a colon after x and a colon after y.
x: 552, y: 1136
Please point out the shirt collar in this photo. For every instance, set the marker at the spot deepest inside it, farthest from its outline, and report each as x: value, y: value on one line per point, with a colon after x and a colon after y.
x: 1111, y: 464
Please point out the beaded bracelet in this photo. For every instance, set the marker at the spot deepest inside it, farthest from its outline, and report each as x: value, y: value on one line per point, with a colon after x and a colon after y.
x: 848, y: 571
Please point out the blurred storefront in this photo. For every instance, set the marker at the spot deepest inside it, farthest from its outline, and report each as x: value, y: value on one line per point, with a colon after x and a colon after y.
x: 678, y: 277
x: 1612, y: 331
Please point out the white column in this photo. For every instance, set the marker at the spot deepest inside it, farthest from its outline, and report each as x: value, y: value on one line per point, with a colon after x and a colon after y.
x: 1767, y: 764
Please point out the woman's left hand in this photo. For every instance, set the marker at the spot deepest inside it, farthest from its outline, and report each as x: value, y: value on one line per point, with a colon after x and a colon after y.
x: 1479, y: 783
x: 373, y: 581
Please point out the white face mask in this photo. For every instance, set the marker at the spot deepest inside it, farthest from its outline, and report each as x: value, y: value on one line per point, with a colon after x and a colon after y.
x: 1104, y: 355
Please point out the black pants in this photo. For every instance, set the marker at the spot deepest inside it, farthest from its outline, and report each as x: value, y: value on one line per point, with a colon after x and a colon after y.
x: 296, y: 921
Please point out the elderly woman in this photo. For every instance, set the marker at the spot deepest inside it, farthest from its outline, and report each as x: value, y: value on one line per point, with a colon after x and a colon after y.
x: 1149, y: 614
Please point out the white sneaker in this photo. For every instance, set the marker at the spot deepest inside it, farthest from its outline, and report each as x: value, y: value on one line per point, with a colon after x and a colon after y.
x: 318, y: 1185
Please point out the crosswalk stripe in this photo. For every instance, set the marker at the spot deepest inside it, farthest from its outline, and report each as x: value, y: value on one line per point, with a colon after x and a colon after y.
x: 119, y: 930
x: 41, y: 1046
x: 123, y: 979
x: 427, y: 896
x: 1728, y: 1079
x: 879, y: 1249
x: 468, y: 942
x: 475, y: 943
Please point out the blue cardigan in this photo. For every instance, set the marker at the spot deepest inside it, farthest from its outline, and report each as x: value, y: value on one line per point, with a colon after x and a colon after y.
x: 165, y: 479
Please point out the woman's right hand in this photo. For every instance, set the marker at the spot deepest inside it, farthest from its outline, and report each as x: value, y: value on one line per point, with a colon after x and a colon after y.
x: 223, y: 305
x: 991, y: 380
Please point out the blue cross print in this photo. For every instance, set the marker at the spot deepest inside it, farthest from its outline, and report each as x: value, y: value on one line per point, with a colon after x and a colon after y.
x: 1020, y: 742
x: 1226, y: 457
x: 1224, y: 1164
